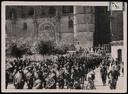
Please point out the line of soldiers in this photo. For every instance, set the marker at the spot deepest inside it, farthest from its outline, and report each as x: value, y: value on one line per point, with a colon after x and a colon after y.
x: 66, y: 72
x: 70, y: 71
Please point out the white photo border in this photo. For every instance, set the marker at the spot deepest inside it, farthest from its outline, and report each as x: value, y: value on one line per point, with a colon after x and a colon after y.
x: 30, y: 3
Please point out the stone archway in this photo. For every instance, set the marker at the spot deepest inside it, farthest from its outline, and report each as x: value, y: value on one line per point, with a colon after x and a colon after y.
x: 119, y: 55
x: 47, y: 30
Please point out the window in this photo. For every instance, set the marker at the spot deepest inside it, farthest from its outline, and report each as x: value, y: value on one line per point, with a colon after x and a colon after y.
x: 119, y: 52
x: 13, y: 14
x: 31, y: 12
x: 67, y: 9
x: 70, y: 23
x: 43, y: 13
x: 52, y: 11
x: 25, y: 26
x: 23, y: 15
x: 87, y: 9
x: 22, y: 12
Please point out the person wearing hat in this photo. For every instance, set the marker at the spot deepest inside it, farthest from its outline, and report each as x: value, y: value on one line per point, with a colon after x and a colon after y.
x: 103, y: 72
x: 71, y: 82
x: 61, y: 81
x: 51, y: 80
x: 113, y: 77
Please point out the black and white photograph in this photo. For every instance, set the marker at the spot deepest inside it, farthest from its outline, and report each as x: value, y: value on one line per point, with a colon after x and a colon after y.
x: 64, y: 46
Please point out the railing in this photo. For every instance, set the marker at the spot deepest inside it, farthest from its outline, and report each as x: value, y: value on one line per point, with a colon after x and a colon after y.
x: 102, y: 48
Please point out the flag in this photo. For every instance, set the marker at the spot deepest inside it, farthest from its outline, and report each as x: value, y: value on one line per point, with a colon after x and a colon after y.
x: 116, y: 6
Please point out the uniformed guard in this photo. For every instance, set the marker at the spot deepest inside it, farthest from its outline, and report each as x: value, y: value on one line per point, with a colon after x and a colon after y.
x: 19, y: 80
x: 37, y: 83
x: 71, y: 82
x: 113, y: 76
x: 103, y: 72
x: 61, y: 81
x: 51, y: 80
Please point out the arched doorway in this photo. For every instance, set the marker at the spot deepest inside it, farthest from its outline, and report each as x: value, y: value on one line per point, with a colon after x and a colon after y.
x: 119, y: 55
x: 102, y: 34
x: 47, y: 31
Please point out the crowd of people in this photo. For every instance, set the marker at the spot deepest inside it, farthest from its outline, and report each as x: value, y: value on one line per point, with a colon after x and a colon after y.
x: 66, y: 72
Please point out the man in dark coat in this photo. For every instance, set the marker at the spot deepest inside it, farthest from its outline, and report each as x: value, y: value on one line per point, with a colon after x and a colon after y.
x: 113, y: 76
x: 103, y: 72
x: 61, y: 81
x: 29, y: 78
x: 51, y: 80
x: 38, y: 82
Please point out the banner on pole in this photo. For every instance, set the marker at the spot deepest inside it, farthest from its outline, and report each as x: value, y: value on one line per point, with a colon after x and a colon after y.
x: 116, y: 6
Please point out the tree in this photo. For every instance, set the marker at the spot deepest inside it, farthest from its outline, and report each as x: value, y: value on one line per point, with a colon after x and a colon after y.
x: 51, y: 48
x: 45, y: 47
x: 18, y: 51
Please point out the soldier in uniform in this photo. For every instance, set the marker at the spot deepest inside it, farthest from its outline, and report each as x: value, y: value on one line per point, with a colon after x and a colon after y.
x: 29, y: 78
x: 67, y: 77
x: 19, y: 80
x: 71, y: 82
x: 113, y: 76
x: 61, y: 81
x: 103, y: 72
x: 51, y: 80
x: 38, y: 82
x: 85, y: 70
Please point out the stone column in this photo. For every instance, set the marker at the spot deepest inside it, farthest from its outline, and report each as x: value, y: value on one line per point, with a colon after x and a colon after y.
x: 58, y: 17
x: 57, y: 25
x: 75, y: 23
x: 35, y: 20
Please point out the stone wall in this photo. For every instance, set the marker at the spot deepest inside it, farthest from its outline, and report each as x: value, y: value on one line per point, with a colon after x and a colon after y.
x: 117, y: 26
x: 49, y: 28
x: 85, y: 25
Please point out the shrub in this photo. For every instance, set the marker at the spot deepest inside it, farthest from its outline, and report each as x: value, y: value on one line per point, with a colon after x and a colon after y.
x: 18, y: 51
x: 45, y: 47
x: 51, y: 48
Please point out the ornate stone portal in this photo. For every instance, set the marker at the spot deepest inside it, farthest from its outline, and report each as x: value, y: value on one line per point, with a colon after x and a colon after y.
x: 63, y: 28
x: 47, y: 30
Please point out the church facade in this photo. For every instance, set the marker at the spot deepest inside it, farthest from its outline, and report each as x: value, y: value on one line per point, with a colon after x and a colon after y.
x: 82, y: 26
x: 63, y: 24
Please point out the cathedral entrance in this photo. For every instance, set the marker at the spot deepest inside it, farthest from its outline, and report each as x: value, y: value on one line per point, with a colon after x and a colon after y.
x: 47, y: 30
x: 119, y: 52
x: 102, y: 34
